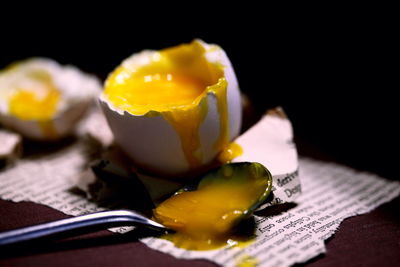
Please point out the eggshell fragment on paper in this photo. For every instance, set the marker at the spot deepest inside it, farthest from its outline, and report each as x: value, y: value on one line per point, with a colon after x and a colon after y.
x: 10, y: 148
x: 44, y: 100
x: 95, y: 127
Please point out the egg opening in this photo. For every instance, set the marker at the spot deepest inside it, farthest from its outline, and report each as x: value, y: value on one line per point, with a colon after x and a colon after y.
x: 173, y: 110
x: 173, y: 78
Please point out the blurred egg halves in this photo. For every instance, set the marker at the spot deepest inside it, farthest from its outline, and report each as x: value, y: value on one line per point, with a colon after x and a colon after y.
x: 43, y: 100
x: 175, y: 110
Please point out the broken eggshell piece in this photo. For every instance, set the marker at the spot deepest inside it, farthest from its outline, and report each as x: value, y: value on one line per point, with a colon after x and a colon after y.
x: 43, y: 100
x: 175, y: 137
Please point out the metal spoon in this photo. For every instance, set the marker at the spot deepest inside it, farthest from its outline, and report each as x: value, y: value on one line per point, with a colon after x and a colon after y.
x: 116, y: 218
x: 78, y: 225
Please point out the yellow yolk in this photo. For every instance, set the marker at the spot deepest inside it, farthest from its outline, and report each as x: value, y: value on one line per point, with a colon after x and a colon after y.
x: 203, y: 219
x: 27, y: 105
x: 175, y: 84
x: 156, y: 92
x: 187, y: 124
x: 220, y: 91
x: 230, y: 152
x: 247, y: 261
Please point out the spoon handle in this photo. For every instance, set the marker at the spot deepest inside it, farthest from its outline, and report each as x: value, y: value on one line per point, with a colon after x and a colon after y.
x: 78, y: 225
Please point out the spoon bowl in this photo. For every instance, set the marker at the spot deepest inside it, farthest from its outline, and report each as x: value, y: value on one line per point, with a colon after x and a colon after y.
x: 206, y: 213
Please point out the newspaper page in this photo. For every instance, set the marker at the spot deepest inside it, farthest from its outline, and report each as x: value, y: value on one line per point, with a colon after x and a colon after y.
x: 329, y: 194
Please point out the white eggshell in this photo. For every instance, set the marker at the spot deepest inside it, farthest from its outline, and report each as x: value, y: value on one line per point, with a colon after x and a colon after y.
x: 77, y: 91
x: 150, y: 140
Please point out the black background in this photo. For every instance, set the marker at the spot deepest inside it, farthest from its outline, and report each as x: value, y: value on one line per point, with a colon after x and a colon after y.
x: 334, y: 74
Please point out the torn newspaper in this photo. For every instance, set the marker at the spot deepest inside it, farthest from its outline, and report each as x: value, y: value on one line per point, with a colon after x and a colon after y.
x: 330, y: 193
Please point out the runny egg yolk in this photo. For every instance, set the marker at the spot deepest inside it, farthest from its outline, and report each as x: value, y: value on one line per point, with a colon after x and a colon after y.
x: 203, y: 219
x: 157, y: 92
x: 175, y: 84
x: 38, y: 103
x: 230, y: 152
x: 27, y: 105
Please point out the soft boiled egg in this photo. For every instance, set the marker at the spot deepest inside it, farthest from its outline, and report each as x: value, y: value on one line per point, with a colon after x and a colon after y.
x: 174, y: 111
x: 43, y: 100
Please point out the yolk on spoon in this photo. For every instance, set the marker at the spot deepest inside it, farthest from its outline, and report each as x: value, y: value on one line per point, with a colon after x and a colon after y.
x: 204, y: 219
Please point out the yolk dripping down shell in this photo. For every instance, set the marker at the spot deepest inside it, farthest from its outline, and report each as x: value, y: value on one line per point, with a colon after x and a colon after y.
x: 174, y: 83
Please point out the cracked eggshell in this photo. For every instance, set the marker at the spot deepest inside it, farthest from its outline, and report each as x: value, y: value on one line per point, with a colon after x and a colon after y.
x: 77, y: 90
x: 150, y: 140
